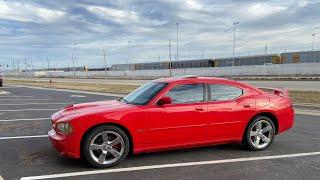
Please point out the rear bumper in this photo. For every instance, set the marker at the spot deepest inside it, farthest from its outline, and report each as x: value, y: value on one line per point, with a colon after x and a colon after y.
x: 65, y: 145
x: 286, y: 120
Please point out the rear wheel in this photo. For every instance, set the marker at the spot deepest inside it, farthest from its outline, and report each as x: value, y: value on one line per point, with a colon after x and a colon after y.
x: 105, y: 146
x: 260, y: 133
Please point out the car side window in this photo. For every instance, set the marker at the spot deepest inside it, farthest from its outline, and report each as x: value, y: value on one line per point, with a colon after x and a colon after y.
x: 187, y: 93
x: 221, y: 92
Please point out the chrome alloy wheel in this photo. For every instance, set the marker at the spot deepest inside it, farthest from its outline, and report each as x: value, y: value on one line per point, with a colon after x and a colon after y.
x: 106, y: 147
x: 261, y: 134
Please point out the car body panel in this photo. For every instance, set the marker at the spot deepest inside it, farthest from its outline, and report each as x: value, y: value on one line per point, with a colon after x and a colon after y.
x: 153, y: 127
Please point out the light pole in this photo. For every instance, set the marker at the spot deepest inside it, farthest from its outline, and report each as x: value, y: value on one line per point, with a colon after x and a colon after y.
x: 48, y: 63
x: 265, y: 49
x: 129, y: 52
x: 202, y: 56
x: 74, y: 59
x: 234, y: 40
x: 177, y: 53
x: 313, y: 37
x: 170, y: 57
x: 105, y: 62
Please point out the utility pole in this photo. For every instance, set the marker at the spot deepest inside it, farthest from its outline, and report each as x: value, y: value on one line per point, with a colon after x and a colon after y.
x: 25, y: 63
x: 202, y: 54
x: 265, y: 53
x: 105, y: 62
x: 313, y: 38
x: 234, y: 40
x: 170, y: 57
x: 265, y: 49
x: 74, y: 59
x: 129, y: 52
x: 74, y: 70
x: 177, y: 53
x: 13, y: 65
x: 48, y: 63
x: 18, y: 63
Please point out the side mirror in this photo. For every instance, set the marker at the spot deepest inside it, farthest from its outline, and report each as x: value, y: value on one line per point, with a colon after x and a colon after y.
x: 164, y: 100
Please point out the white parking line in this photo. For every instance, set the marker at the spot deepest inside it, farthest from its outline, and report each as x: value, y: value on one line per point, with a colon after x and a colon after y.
x: 17, y: 96
x: 139, y: 168
x: 25, y: 99
x: 78, y: 96
x: 13, y: 120
x: 4, y: 92
x: 70, y: 90
x: 23, y: 137
x: 23, y: 104
x: 307, y: 112
x: 18, y: 110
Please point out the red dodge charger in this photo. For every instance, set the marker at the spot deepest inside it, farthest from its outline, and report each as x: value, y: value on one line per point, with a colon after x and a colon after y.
x: 172, y: 113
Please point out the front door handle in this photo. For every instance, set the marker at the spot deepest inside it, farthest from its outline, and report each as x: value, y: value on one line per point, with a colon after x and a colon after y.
x: 247, y: 105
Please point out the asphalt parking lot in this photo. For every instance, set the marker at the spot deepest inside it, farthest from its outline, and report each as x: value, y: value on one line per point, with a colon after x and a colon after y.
x: 25, y: 150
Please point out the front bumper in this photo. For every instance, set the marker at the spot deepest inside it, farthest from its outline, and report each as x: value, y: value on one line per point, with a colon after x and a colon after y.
x: 65, y: 145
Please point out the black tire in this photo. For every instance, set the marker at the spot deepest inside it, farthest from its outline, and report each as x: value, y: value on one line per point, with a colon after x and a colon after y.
x: 248, y: 142
x: 87, y: 139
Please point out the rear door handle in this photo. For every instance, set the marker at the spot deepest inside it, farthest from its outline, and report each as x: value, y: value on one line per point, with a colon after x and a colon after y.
x: 199, y: 109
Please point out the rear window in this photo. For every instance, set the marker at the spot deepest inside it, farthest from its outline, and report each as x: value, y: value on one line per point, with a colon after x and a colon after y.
x: 221, y: 92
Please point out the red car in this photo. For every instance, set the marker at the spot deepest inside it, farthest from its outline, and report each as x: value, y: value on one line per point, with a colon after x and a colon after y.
x: 172, y: 113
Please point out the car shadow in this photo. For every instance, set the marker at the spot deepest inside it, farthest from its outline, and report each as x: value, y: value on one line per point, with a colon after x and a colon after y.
x: 161, y: 157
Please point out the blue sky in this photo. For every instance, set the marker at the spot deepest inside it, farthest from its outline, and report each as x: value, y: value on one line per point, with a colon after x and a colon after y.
x: 34, y: 30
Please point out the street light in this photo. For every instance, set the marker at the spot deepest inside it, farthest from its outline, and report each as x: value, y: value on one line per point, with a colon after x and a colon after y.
x: 234, y: 40
x: 177, y: 54
x: 313, y: 36
x: 129, y: 55
x: 74, y: 60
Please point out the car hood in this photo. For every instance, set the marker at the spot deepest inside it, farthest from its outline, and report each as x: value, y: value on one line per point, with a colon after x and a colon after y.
x: 93, y: 108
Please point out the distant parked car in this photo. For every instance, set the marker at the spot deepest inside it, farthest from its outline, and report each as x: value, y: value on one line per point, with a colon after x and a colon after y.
x: 1, y: 81
x: 171, y: 113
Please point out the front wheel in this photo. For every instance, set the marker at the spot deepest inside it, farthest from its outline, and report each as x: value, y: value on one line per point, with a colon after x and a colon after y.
x: 260, y: 133
x: 105, y: 146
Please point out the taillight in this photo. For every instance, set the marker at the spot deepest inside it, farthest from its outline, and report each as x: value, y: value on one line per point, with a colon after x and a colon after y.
x: 279, y: 93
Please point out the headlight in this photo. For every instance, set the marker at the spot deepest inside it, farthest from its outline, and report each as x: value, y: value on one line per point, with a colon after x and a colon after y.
x: 64, y: 128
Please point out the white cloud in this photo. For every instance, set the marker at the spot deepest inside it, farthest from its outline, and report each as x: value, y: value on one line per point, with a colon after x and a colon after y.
x: 123, y: 17
x: 260, y: 10
x: 204, y: 25
x: 27, y: 13
x: 115, y: 15
x: 193, y: 4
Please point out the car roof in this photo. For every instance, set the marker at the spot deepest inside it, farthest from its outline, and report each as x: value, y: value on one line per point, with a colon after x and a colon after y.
x: 193, y: 79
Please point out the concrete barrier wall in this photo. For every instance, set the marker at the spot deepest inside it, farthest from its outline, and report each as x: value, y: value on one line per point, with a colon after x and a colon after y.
x: 257, y: 70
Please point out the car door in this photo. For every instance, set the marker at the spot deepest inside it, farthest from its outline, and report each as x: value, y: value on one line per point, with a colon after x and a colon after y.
x: 182, y: 121
x: 225, y: 108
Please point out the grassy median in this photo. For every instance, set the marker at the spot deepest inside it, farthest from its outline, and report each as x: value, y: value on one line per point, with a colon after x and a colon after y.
x: 296, y: 96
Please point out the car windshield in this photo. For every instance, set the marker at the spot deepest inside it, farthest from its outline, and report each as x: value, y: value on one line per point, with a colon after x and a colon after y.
x: 143, y: 94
